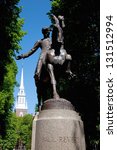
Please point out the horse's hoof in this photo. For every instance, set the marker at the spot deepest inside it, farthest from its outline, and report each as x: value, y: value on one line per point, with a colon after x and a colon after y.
x: 70, y: 74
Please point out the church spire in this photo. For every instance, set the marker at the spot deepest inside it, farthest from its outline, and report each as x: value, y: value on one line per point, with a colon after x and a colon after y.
x: 22, y: 80
x: 21, y: 104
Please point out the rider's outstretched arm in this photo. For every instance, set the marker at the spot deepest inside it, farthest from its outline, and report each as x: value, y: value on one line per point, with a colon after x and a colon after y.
x: 35, y: 47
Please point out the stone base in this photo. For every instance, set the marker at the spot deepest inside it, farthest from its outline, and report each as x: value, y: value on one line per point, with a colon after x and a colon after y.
x: 60, y: 103
x: 58, y: 129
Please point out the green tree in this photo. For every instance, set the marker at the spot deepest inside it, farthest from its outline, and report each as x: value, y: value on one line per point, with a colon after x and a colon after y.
x: 82, y: 37
x: 10, y: 35
x: 25, y: 129
x: 11, y: 136
x: 20, y: 130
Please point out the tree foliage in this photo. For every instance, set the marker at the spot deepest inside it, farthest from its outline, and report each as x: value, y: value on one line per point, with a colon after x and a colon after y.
x: 10, y: 35
x: 81, y: 36
x: 11, y: 135
x: 26, y: 130
x: 20, y: 129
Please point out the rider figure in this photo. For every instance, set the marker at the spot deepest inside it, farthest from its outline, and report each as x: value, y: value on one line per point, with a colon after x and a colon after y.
x: 45, y: 45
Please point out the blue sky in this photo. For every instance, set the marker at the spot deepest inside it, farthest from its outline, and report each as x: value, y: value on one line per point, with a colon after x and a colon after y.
x: 35, y: 17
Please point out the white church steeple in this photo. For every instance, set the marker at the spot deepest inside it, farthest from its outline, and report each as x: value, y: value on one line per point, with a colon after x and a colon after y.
x: 22, y: 80
x: 21, y: 103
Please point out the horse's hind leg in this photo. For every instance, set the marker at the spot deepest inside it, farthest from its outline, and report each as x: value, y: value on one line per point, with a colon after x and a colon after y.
x: 53, y: 81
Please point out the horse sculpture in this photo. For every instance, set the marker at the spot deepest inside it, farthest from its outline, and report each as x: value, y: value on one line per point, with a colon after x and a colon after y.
x: 57, y: 55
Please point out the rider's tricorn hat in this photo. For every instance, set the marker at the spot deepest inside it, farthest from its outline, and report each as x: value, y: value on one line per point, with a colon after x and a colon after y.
x: 46, y: 29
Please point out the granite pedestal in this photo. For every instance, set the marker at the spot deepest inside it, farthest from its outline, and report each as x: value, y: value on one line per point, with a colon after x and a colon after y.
x: 58, y: 127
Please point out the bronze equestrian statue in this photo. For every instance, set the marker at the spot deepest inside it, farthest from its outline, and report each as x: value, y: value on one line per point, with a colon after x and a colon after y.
x: 52, y: 54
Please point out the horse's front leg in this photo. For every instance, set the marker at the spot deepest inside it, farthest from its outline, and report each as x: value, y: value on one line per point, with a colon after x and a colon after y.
x: 68, y: 70
x: 53, y: 81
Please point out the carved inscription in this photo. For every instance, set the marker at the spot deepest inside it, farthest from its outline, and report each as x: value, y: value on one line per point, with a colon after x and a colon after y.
x: 61, y: 139
x: 66, y: 139
x: 49, y: 139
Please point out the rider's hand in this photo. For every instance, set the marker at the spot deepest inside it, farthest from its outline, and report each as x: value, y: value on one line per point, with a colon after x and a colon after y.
x: 19, y: 57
